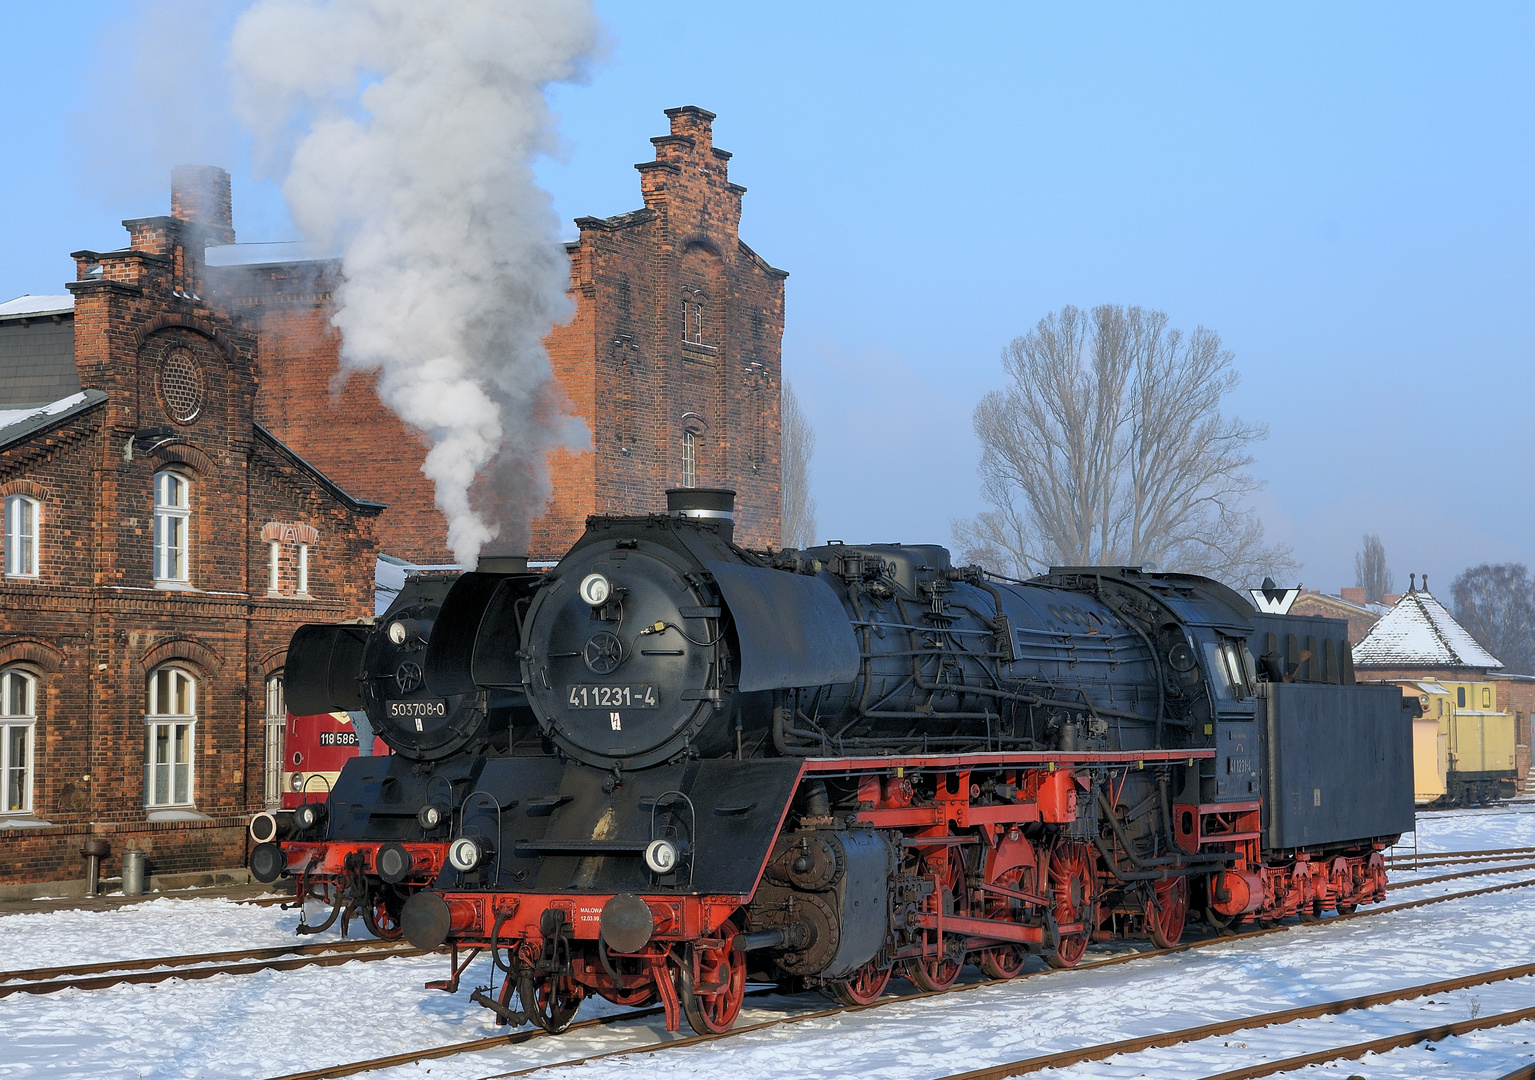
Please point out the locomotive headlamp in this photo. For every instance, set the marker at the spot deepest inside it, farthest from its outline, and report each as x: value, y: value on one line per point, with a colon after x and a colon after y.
x: 467, y: 852
x: 662, y: 856
x: 595, y: 589
x: 402, y: 630
x: 297, y: 783
x: 309, y: 815
x: 429, y: 816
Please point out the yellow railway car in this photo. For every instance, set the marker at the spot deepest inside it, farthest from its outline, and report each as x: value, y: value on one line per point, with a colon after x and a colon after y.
x: 1463, y: 748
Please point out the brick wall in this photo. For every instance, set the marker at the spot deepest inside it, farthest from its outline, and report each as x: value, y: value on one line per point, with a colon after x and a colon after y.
x: 622, y: 361
x: 180, y: 386
x: 634, y: 374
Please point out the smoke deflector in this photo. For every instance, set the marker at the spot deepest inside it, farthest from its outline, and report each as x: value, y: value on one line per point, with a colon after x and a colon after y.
x: 792, y: 629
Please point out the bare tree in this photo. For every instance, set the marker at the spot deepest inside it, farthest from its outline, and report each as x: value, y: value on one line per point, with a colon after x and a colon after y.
x: 1496, y: 603
x: 797, y: 520
x: 1109, y: 447
x: 1370, y: 570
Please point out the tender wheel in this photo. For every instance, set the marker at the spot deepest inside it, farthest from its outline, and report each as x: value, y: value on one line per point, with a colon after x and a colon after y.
x: 1167, y: 912
x: 551, y: 1002
x: 712, y: 1001
x: 1073, y: 889
x: 864, y: 986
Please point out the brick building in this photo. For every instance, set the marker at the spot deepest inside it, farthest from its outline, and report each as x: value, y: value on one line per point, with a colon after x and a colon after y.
x: 160, y: 547
x: 182, y: 489
x: 1348, y: 604
x: 672, y: 358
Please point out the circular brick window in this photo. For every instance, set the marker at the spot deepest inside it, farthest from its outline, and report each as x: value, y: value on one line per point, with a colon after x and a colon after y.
x: 181, y: 385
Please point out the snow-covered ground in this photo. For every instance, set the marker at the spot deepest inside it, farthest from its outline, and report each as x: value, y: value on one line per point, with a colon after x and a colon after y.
x: 272, y: 1023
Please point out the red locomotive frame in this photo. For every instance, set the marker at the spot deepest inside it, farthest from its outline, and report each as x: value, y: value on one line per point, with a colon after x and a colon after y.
x: 1028, y: 897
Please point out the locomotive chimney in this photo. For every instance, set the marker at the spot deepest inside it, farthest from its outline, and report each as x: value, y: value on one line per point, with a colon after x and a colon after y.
x: 503, y: 564
x: 706, y: 504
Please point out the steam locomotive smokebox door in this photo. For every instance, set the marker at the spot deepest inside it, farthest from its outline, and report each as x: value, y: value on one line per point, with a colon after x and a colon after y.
x: 1340, y: 763
x: 792, y: 629
x: 323, y: 666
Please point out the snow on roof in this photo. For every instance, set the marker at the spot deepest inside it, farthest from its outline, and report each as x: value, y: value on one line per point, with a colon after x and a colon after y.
x: 28, y: 304
x: 53, y: 408
x: 1419, y: 632
x: 19, y: 423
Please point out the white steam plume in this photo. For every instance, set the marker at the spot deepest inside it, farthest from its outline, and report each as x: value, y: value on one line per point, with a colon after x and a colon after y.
x: 408, y: 132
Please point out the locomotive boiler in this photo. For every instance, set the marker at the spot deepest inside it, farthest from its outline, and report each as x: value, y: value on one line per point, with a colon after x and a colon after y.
x: 382, y: 832
x: 837, y: 763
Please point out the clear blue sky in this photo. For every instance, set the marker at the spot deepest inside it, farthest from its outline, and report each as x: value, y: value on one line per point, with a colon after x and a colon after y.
x: 1343, y: 192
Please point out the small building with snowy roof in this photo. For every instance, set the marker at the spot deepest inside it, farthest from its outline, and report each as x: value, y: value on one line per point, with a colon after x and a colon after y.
x: 1419, y: 635
x: 1418, y: 644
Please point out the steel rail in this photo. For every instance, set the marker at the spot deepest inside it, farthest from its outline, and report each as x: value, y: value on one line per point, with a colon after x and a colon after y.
x: 1462, y: 874
x: 1410, y: 863
x: 1062, y: 1058
x: 1355, y: 1051
x: 517, y: 1038
x: 195, y: 958
x: 1425, y: 856
x: 189, y: 967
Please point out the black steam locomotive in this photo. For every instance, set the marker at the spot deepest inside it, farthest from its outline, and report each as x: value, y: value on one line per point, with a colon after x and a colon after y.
x: 382, y: 834
x: 834, y: 763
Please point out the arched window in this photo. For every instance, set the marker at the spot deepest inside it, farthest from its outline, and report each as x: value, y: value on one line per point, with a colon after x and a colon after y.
x: 276, y: 729
x: 689, y: 459
x: 694, y: 319
x: 21, y: 514
x: 170, y: 720
x: 172, y: 513
x: 18, y: 718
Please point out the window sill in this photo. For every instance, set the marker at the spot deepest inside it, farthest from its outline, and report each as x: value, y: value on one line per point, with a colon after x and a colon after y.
x: 172, y: 813
x: 23, y: 577
x: 698, y: 346
x: 173, y: 586
x: 24, y: 821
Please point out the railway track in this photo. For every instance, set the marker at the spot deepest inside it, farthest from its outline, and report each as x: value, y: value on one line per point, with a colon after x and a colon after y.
x: 1062, y: 1059
x: 1448, y: 858
x: 517, y: 1038
x: 195, y: 966
x: 1463, y: 874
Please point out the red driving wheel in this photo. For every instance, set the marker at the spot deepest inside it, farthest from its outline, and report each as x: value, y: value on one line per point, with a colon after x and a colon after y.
x: 1073, y: 892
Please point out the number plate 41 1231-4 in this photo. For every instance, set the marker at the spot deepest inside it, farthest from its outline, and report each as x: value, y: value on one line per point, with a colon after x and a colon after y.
x: 632, y: 696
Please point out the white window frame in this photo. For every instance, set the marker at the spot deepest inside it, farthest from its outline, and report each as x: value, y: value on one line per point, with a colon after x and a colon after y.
x: 11, y: 722
x: 276, y: 728
x: 273, y: 568
x: 180, y: 729
x: 689, y: 459
x: 303, y: 569
x: 172, y: 558
x: 21, y: 548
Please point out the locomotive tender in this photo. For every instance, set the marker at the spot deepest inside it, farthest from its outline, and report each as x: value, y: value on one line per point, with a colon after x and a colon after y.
x: 843, y: 761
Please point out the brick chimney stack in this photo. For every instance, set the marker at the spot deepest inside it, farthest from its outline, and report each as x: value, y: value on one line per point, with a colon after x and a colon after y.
x: 200, y: 195
x: 694, y: 123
